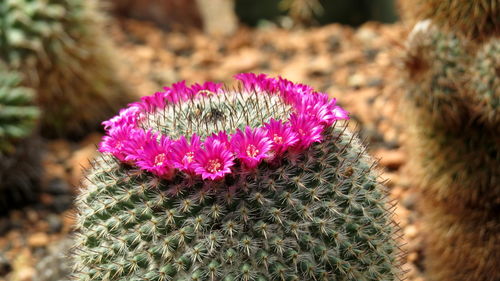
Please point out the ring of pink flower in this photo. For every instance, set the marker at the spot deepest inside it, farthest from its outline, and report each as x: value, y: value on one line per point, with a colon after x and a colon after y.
x: 215, y: 156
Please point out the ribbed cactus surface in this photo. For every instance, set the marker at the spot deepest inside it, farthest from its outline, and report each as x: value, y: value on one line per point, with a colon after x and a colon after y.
x: 60, y: 47
x: 18, y: 147
x: 304, y: 212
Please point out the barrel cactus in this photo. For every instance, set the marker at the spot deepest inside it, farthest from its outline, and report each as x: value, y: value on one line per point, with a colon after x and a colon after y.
x: 452, y: 103
x: 257, y: 182
x: 19, y: 163
x: 59, y: 47
x: 453, y: 110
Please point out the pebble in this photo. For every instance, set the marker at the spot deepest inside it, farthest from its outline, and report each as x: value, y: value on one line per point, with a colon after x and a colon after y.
x: 411, y: 231
x: 391, y: 159
x: 410, y: 200
x: 39, y: 239
x: 5, y: 266
x: 55, y: 223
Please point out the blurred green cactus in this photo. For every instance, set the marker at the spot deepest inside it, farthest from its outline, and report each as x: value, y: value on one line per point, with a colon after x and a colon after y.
x: 452, y: 102
x: 59, y: 47
x: 19, y: 165
x: 485, y: 81
x: 454, y: 112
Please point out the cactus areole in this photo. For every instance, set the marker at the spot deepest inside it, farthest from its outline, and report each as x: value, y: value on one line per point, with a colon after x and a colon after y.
x: 255, y: 182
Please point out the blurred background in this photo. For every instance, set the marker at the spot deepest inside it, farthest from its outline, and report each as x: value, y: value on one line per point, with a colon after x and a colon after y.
x: 353, y: 50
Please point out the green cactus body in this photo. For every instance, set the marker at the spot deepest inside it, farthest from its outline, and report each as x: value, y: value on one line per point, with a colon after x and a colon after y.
x: 452, y: 101
x: 454, y: 127
x: 485, y: 81
x: 59, y: 47
x: 315, y: 215
x: 19, y: 165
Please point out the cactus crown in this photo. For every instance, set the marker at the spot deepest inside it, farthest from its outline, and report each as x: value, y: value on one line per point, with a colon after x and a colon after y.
x: 289, y: 199
x: 211, y: 112
x: 17, y: 114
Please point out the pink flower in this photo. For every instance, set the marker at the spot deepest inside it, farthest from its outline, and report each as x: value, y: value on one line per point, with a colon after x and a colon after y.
x: 177, y: 93
x: 251, y: 146
x: 213, y: 161
x: 339, y: 113
x: 205, y: 88
x: 281, y: 136
x: 127, y: 117
x: 221, y: 138
x: 153, y: 102
x: 308, y: 129
x: 154, y: 155
x: 318, y: 106
x: 183, y: 153
x: 116, y: 141
x: 261, y: 82
x: 291, y: 92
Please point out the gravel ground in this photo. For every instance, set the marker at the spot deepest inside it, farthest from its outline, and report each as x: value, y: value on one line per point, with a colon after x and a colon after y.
x: 360, y: 67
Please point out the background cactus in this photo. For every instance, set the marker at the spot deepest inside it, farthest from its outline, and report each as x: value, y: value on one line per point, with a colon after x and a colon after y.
x: 457, y: 147
x: 474, y: 19
x: 59, y: 47
x: 452, y: 101
x: 19, y: 165
x: 314, y: 214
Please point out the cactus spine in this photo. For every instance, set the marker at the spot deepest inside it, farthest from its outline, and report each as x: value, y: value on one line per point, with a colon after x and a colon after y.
x: 317, y: 214
x: 59, y: 47
x: 19, y: 165
x: 453, y: 100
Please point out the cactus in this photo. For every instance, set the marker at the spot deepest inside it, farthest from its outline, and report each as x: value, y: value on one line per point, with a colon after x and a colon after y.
x: 18, y: 147
x: 452, y: 102
x: 474, y: 19
x: 485, y: 81
x: 457, y: 147
x: 296, y: 199
x: 60, y: 48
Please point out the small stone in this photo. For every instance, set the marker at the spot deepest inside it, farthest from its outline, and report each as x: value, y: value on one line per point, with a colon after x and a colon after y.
x: 62, y: 203
x: 410, y: 200
x: 39, y: 239
x: 391, y: 159
x: 25, y: 274
x: 411, y: 231
x: 58, y: 186
x: 413, y: 256
x: 356, y: 80
x: 375, y: 82
x: 79, y: 162
x: 5, y: 266
x: 55, y: 223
